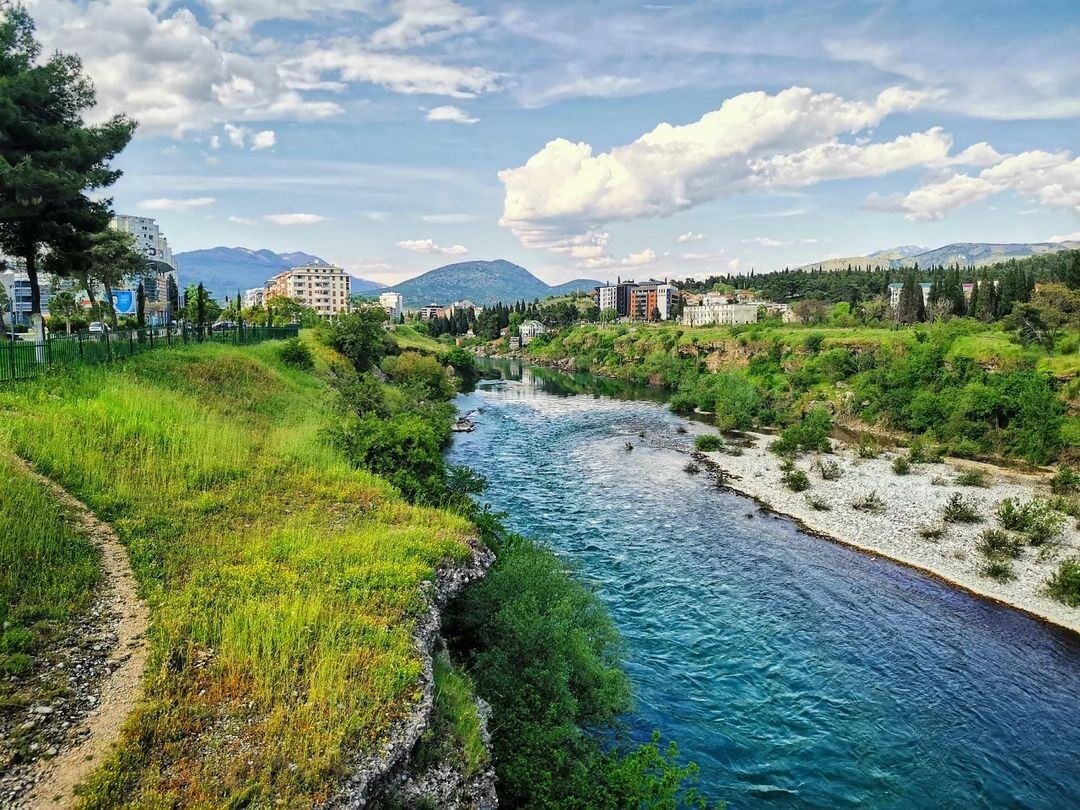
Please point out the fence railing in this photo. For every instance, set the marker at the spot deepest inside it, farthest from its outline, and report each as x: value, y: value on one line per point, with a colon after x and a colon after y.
x: 21, y: 358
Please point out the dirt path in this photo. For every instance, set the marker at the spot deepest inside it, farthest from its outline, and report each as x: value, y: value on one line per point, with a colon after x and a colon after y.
x: 55, y: 779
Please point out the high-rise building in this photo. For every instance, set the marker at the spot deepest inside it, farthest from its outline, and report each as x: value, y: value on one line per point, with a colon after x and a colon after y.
x: 152, y: 244
x: 322, y: 287
x: 393, y: 303
x: 615, y: 296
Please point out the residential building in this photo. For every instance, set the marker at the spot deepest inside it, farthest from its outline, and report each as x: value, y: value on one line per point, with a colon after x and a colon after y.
x: 719, y: 313
x: 614, y: 296
x: 393, y: 303
x: 652, y: 300
x: 430, y: 312
x: 530, y: 330
x: 323, y: 287
x: 255, y: 297
x: 896, y: 287
x: 152, y: 244
x: 17, y: 285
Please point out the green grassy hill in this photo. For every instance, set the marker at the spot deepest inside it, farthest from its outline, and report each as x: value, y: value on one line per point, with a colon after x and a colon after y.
x: 283, y: 583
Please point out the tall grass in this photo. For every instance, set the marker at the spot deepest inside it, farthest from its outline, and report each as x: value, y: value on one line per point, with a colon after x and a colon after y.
x: 284, y: 585
x: 47, y: 571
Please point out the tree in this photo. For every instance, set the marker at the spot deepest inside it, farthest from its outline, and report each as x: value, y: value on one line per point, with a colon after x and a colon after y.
x: 48, y: 156
x: 5, y: 305
x: 64, y: 306
x: 810, y: 311
x: 360, y: 337
x: 113, y: 259
x: 910, y: 308
x: 199, y: 308
x: 140, y: 305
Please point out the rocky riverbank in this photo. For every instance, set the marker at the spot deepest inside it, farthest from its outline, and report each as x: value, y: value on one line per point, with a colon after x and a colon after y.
x: 908, y: 526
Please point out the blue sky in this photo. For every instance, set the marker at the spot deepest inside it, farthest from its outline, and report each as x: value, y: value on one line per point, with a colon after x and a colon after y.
x: 587, y: 139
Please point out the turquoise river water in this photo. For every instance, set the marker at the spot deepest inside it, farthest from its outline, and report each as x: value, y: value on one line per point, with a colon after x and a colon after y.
x: 796, y: 672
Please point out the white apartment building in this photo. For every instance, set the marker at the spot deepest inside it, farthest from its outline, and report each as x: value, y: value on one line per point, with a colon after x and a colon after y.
x: 255, y: 297
x: 715, y: 312
x: 322, y: 287
x: 151, y: 242
x: 666, y: 296
x: 393, y: 303
x: 530, y: 330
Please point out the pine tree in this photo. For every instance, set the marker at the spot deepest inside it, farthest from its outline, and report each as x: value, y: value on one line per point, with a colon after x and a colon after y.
x: 49, y: 158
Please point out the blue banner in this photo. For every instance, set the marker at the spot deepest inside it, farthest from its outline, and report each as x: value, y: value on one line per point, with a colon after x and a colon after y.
x: 124, y: 302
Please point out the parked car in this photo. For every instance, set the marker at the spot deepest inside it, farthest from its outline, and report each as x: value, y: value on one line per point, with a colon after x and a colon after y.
x: 221, y: 326
x: 97, y: 328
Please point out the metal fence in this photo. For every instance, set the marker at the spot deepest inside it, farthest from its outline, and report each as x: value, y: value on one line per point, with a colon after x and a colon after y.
x: 21, y: 358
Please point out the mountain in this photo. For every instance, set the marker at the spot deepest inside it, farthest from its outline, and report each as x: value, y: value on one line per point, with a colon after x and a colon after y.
x: 481, y: 282
x: 224, y: 270
x: 965, y: 254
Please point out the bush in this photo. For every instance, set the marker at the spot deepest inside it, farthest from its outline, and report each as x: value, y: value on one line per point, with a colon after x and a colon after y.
x: 932, y: 532
x: 1064, y: 585
x: 1011, y: 516
x: 796, y: 480
x: 972, y: 478
x: 426, y: 375
x: 901, y: 466
x: 868, y: 448
x: 1066, y: 482
x: 817, y: 504
x: 1037, y: 520
x: 296, y: 354
x: 361, y: 338
x: 957, y: 510
x: 1000, y: 570
x: 868, y: 503
x: 998, y: 544
x: 708, y: 442
x: 829, y: 469
x: 812, y: 433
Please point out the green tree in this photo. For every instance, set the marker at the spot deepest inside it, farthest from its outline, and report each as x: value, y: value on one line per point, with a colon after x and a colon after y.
x: 48, y: 156
x: 5, y: 305
x: 114, y: 259
x: 360, y: 336
x: 64, y: 306
x: 140, y: 305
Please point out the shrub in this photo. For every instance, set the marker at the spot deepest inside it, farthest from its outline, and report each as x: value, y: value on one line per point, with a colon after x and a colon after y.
x: 828, y: 468
x: 932, y: 531
x: 1064, y: 585
x: 868, y: 503
x: 901, y: 466
x: 998, y: 544
x: 1011, y: 516
x: 296, y: 354
x: 796, y: 480
x: 708, y: 442
x: 868, y: 448
x: 963, y: 448
x: 1066, y: 482
x: 957, y: 510
x: 421, y: 372
x: 817, y: 503
x: 1000, y: 570
x: 812, y: 433
x: 1037, y: 519
x: 972, y: 478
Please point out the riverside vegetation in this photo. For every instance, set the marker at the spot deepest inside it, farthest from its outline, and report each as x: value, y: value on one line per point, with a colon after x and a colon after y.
x: 285, y: 574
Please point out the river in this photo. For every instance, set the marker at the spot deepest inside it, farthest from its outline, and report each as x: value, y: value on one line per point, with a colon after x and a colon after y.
x: 796, y: 672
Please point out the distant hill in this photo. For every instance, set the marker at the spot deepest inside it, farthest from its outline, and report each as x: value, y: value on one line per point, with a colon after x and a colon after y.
x: 481, y: 282
x: 223, y: 270
x: 964, y: 254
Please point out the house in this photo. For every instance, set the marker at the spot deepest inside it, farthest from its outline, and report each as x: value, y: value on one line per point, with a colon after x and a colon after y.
x: 717, y: 312
x: 530, y: 330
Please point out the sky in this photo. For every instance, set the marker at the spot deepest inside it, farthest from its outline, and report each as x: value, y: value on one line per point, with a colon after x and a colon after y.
x: 587, y: 139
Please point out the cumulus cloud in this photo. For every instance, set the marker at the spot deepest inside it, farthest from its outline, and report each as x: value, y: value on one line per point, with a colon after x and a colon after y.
x: 450, y: 114
x: 1049, y: 178
x: 429, y: 246
x: 294, y: 219
x: 263, y: 139
x: 420, y: 22
x: 690, y: 236
x: 564, y: 194
x: 640, y: 258
x: 1066, y: 237
x: 175, y: 203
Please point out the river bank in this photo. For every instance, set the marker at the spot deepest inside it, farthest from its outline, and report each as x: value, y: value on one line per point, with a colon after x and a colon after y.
x: 911, y: 503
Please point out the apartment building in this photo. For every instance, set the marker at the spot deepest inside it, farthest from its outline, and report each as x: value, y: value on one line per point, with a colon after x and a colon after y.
x: 393, y: 303
x: 152, y: 244
x: 430, y: 312
x: 323, y: 287
x: 255, y: 297
x: 652, y: 300
x: 615, y: 296
x: 714, y: 310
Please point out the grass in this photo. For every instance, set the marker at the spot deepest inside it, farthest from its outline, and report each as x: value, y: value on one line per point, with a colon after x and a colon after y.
x: 708, y: 442
x: 408, y: 338
x: 972, y: 478
x: 957, y: 510
x: 283, y: 584
x: 48, y: 570
x: 1064, y: 584
x: 455, y: 733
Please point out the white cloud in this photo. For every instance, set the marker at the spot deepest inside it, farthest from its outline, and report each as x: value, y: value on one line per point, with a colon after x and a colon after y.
x: 263, y: 139
x: 294, y: 219
x: 640, y: 258
x: 714, y: 256
x: 449, y: 219
x: 1067, y: 237
x: 564, y: 193
x: 603, y: 86
x: 167, y: 70
x: 733, y: 265
x: 215, y: 142
x: 420, y: 22
x: 690, y: 236
x: 1049, y: 178
x: 234, y: 17
x: 175, y: 203
x: 237, y: 135
x: 401, y: 73
x: 450, y: 114
x: 235, y: 220
x: 429, y: 246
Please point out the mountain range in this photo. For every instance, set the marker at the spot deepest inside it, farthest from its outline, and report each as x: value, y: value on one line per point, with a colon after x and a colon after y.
x: 964, y: 254
x: 224, y: 270
x: 483, y: 283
